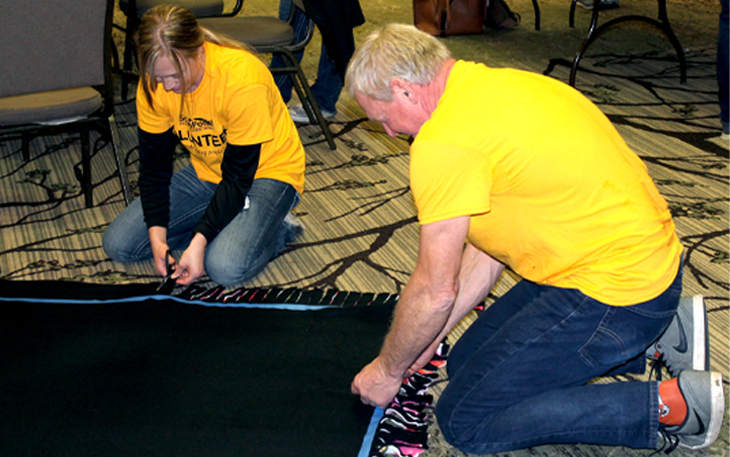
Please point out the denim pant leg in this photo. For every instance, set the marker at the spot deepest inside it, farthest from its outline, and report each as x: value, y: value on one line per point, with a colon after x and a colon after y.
x: 283, y: 81
x: 127, y: 240
x: 254, y: 237
x: 517, y: 377
x: 328, y: 86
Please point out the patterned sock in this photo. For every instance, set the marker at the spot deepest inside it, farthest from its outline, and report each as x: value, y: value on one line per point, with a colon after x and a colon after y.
x: 672, y: 405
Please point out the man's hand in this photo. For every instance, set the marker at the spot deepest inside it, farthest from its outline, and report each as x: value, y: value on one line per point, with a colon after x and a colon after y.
x: 191, y: 266
x: 375, y: 386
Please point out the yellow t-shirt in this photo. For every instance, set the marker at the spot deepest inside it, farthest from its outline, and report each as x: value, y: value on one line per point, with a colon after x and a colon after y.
x: 552, y: 189
x: 237, y: 102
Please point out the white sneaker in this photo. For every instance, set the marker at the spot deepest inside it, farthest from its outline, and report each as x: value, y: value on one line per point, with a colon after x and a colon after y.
x: 295, y: 227
x: 299, y: 115
x: 602, y: 4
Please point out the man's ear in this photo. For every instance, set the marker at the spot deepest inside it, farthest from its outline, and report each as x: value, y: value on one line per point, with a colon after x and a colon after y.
x: 403, y: 89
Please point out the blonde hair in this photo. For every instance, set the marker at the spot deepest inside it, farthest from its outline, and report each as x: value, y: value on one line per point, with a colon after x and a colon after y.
x: 394, y: 51
x: 172, y: 31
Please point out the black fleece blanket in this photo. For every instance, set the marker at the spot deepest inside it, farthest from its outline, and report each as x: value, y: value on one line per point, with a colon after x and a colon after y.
x: 81, y: 375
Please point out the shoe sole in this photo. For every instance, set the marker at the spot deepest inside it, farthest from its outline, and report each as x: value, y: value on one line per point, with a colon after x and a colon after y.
x: 304, y: 119
x: 701, y: 356
x: 718, y: 409
x: 298, y: 120
x: 612, y: 6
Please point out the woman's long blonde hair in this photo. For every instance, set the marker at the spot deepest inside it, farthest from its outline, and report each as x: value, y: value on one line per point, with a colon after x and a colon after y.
x: 172, y: 31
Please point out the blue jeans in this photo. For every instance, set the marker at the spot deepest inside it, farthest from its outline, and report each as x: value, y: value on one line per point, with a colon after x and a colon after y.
x: 326, y: 89
x: 518, y: 376
x: 239, y: 252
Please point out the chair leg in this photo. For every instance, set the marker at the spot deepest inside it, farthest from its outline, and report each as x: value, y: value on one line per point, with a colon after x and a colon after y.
x: 309, y: 97
x: 86, y: 166
x: 121, y: 164
x: 25, y: 146
x: 128, y: 52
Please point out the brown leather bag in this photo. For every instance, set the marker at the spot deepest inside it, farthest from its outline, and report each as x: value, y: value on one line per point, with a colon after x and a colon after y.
x: 454, y: 17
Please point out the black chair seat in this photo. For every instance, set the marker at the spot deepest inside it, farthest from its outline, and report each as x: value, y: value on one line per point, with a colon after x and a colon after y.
x: 199, y: 8
x: 271, y: 35
x: 255, y: 31
x: 45, y: 107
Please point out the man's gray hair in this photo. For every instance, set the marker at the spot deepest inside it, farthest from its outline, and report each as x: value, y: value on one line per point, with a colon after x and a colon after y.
x: 394, y: 51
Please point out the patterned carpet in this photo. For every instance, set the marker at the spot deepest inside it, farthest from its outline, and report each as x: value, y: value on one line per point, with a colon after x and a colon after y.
x: 361, y: 233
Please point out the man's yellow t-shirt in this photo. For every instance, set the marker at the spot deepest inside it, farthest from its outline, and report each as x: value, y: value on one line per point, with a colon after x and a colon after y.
x: 552, y: 189
x: 237, y: 102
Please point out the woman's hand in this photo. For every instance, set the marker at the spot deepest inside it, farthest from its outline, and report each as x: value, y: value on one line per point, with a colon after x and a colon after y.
x: 158, y: 240
x: 191, y: 266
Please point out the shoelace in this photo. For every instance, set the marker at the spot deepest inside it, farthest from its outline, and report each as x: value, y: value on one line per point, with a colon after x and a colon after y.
x: 670, y: 443
x: 656, y: 368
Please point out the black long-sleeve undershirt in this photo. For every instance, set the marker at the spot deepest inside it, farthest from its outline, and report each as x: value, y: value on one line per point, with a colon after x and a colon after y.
x: 238, y: 169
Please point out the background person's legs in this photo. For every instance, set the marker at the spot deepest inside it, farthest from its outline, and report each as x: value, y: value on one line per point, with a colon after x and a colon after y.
x: 283, y: 82
x: 328, y: 85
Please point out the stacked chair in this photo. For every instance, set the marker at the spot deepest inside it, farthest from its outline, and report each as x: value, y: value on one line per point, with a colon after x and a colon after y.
x: 57, y: 74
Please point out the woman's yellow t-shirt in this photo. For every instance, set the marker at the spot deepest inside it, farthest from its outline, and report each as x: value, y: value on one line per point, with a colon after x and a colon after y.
x: 237, y: 102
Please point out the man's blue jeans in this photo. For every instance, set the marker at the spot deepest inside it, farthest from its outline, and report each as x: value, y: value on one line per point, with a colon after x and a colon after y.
x: 239, y: 252
x: 519, y: 376
x: 326, y: 89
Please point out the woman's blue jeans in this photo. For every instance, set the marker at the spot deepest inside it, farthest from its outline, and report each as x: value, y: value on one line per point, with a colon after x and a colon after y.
x: 519, y: 376
x: 239, y: 252
x: 326, y: 89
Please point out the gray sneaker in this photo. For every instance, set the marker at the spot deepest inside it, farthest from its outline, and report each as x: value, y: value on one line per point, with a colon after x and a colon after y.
x: 685, y: 344
x: 702, y: 390
x: 299, y: 115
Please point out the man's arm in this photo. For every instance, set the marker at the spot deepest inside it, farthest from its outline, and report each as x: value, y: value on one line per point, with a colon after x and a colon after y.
x: 422, y: 312
x: 447, y: 283
x: 479, y: 273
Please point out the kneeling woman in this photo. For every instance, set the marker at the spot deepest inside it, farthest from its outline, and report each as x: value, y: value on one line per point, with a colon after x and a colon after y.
x: 229, y: 209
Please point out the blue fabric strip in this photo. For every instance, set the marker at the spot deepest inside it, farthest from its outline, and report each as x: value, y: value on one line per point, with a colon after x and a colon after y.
x: 367, y: 441
x: 283, y: 306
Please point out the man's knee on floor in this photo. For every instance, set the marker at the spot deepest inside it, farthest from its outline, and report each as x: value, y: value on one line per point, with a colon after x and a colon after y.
x: 456, y: 429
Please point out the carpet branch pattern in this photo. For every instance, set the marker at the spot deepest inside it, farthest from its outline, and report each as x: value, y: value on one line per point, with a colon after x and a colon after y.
x: 361, y: 231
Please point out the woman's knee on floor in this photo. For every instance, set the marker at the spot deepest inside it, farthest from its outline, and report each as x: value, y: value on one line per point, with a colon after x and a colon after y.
x: 120, y: 246
x: 229, y: 269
